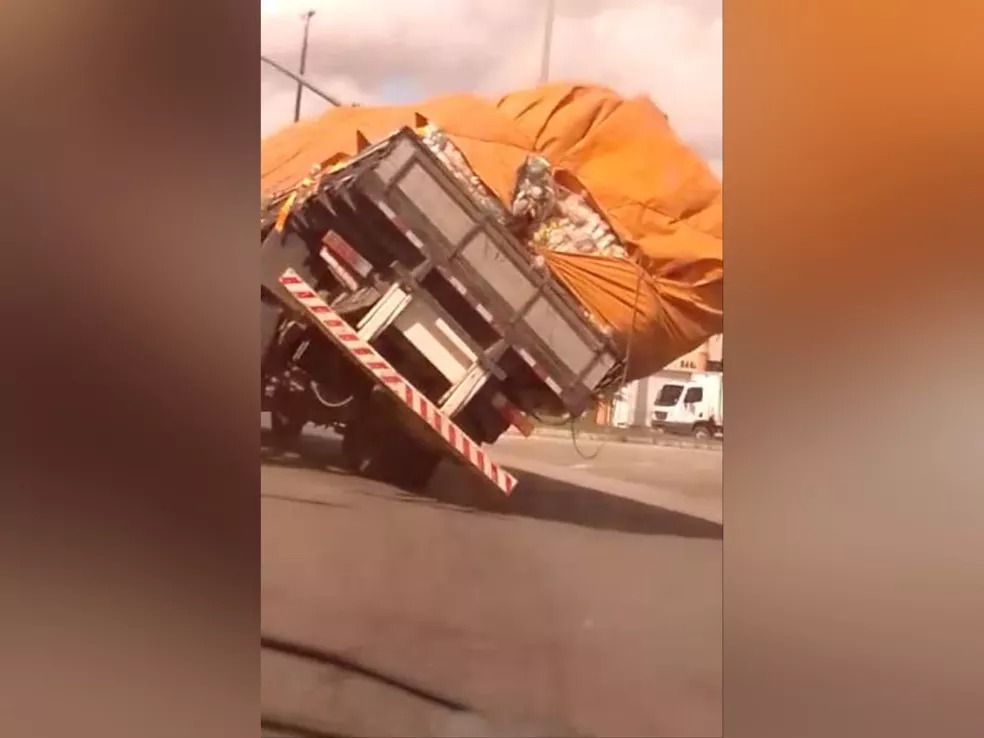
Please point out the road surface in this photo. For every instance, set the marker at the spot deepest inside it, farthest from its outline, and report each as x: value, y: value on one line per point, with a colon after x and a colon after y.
x: 686, y: 480
x: 561, y: 611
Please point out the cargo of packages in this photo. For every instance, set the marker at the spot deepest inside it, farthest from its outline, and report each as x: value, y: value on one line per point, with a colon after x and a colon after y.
x: 598, y: 186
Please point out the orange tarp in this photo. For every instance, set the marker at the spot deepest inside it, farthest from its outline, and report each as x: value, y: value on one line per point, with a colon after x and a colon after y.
x: 493, y: 146
x: 660, y: 197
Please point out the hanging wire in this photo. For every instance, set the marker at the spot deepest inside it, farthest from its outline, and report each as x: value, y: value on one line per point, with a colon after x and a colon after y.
x: 301, y: 81
x: 625, y: 370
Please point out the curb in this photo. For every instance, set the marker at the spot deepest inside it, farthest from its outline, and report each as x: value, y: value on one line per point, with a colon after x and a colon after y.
x: 669, y: 441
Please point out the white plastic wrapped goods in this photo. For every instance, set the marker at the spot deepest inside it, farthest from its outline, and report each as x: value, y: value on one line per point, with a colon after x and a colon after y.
x: 560, y: 233
x: 449, y: 155
x: 575, y: 227
x: 551, y: 217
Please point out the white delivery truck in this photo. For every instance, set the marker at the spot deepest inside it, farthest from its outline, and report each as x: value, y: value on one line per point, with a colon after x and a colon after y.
x: 694, y: 407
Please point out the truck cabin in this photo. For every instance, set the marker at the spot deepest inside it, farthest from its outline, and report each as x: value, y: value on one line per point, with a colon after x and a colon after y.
x: 680, y: 407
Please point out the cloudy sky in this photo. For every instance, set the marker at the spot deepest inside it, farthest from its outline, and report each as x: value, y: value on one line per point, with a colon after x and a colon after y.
x: 396, y: 51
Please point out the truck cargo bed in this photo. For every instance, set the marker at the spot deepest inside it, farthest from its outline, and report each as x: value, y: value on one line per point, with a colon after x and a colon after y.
x: 395, y: 215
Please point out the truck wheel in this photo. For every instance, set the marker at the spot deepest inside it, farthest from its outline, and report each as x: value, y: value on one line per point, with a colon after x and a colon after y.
x: 702, y: 432
x: 286, y: 427
x: 362, y: 449
x: 388, y: 455
x: 415, y: 467
x: 354, y: 452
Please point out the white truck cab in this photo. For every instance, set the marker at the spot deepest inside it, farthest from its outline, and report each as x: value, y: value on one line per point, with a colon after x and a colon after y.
x: 694, y: 407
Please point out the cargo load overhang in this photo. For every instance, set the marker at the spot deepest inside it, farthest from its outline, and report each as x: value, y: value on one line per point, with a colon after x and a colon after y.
x: 626, y: 216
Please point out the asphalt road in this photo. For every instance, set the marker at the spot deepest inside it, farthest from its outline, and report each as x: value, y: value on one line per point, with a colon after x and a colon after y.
x: 687, y: 480
x: 564, y: 610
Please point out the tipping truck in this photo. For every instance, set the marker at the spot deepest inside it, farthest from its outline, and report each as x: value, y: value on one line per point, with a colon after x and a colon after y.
x: 397, y: 311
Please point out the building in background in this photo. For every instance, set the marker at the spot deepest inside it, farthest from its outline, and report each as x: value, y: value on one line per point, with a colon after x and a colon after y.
x: 715, y: 354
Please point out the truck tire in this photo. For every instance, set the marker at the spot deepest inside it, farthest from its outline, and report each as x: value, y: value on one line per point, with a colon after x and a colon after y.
x: 703, y: 432
x: 413, y: 472
x: 388, y: 454
x: 287, y: 427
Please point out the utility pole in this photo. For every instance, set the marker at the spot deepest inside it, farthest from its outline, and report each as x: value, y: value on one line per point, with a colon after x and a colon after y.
x: 304, y: 47
x: 303, y: 82
x: 547, y: 38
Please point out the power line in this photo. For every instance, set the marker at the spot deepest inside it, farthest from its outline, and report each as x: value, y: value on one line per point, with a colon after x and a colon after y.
x: 301, y: 81
x: 304, y: 47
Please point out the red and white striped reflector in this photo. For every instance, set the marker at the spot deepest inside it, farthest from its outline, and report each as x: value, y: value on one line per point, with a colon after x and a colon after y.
x: 479, y: 308
x: 336, y: 328
x: 400, y: 225
x: 341, y: 248
x: 539, y: 371
x: 338, y: 269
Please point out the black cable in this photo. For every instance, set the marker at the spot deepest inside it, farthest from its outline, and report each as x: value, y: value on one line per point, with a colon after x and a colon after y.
x: 287, y: 728
x: 300, y: 80
x: 325, y: 657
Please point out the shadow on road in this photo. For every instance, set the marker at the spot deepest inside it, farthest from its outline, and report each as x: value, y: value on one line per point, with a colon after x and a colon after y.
x: 537, y: 496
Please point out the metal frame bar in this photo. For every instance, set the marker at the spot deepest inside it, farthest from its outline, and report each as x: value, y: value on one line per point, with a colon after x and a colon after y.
x: 447, y: 255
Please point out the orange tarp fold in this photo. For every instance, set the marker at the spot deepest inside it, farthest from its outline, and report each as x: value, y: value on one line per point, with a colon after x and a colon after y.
x: 662, y: 200
x: 667, y: 314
